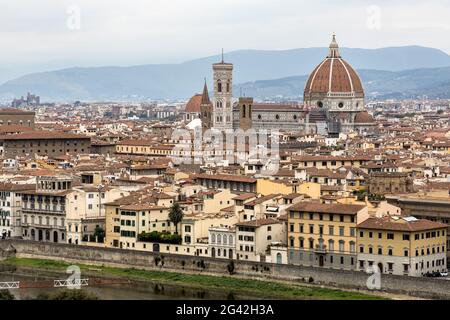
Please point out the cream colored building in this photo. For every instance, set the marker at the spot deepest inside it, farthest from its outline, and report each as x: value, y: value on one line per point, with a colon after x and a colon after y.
x: 85, y: 210
x: 254, y: 238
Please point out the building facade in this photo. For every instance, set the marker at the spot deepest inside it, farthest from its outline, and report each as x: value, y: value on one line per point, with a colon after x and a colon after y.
x: 402, y: 245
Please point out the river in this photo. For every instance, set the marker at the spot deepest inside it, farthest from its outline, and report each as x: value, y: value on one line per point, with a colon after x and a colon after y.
x: 129, y: 291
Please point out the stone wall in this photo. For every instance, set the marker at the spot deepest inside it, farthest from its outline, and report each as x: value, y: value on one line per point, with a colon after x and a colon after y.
x: 421, y: 287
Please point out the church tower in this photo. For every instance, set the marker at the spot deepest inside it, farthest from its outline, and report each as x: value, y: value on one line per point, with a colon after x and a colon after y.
x: 245, y: 113
x: 206, y: 110
x: 223, y: 95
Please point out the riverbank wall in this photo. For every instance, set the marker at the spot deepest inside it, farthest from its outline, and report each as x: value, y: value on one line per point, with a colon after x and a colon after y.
x: 434, y: 288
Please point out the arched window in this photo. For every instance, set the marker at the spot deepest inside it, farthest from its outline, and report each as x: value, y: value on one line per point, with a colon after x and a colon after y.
x: 230, y: 238
x: 213, y: 238
x: 341, y: 245
x: 219, y: 239
x: 331, y: 245
x: 228, y: 86
x: 352, y: 246
x: 225, y: 239
x: 219, y: 86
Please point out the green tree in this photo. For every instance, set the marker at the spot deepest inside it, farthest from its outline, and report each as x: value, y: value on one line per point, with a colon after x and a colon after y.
x: 99, y: 233
x: 6, y: 295
x: 176, y: 215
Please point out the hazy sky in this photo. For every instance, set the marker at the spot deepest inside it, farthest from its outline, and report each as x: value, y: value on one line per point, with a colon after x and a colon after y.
x: 50, y: 33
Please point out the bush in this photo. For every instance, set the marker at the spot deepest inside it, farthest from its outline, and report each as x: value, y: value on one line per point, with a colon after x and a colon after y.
x: 6, y: 295
x: 230, y: 267
x: 160, y: 237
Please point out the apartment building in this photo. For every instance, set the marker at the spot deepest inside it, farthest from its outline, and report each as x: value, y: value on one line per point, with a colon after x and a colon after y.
x: 86, y: 210
x: 254, y: 238
x: 222, y: 242
x: 402, y: 245
x: 44, y: 209
x: 10, y: 208
x: 45, y: 143
x: 324, y: 235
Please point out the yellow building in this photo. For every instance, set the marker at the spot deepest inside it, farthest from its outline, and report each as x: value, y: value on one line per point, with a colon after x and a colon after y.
x: 138, y: 218
x: 144, y: 147
x: 267, y: 187
x: 402, y: 245
x: 324, y: 235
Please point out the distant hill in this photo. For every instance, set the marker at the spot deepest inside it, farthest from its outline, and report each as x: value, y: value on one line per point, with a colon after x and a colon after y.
x: 172, y: 81
x: 433, y: 82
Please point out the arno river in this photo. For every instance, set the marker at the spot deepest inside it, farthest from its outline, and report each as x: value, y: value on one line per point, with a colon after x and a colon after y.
x: 128, y: 291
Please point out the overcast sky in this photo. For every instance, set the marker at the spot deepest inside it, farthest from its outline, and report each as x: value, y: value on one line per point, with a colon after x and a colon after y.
x: 126, y: 32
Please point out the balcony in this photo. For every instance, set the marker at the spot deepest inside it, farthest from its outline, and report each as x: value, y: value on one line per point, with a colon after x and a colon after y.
x: 320, y: 248
x: 43, y: 211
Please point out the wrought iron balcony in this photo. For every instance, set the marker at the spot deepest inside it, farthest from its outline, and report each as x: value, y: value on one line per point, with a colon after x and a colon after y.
x: 320, y: 248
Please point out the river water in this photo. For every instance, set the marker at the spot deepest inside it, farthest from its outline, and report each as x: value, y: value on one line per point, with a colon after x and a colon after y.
x: 128, y: 291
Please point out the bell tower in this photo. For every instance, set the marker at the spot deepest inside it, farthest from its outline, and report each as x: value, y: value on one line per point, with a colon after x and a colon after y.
x: 223, y: 95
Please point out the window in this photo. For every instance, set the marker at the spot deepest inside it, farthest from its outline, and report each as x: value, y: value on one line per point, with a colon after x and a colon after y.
x: 341, y: 246
x: 341, y: 231
x: 331, y: 230
x: 390, y: 236
x: 311, y: 228
x: 390, y: 252
x: 361, y: 234
x: 405, y: 237
x: 406, y: 253
x: 380, y: 251
x: 352, y: 247
x: 380, y: 235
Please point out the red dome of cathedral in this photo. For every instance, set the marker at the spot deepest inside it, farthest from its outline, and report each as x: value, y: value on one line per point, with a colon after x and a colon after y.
x: 334, y: 75
x: 364, y: 117
x: 193, y: 105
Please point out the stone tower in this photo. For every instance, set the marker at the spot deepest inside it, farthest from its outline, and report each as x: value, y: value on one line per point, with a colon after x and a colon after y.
x: 245, y: 113
x: 223, y: 95
x: 206, y: 110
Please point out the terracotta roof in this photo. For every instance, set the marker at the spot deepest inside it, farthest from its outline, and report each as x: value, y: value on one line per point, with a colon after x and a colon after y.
x: 326, y: 208
x: 343, y: 78
x: 333, y: 75
x: 36, y: 135
x: 363, y: 117
x: 244, y: 196
x: 262, y: 199
x: 388, y: 223
x: 258, y: 223
x: 225, y: 177
x: 193, y: 105
x: 6, y: 111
